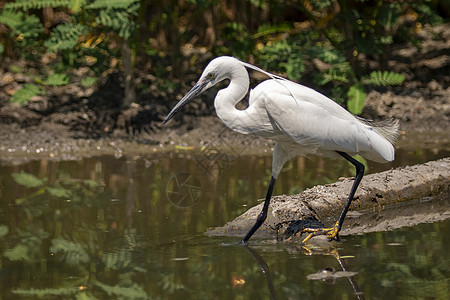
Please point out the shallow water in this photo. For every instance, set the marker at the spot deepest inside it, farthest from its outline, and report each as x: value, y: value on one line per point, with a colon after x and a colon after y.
x: 132, y: 228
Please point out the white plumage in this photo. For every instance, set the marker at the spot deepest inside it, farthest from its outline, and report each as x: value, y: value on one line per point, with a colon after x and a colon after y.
x: 301, y: 120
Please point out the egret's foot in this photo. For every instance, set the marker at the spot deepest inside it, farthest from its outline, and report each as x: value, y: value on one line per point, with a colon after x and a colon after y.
x: 300, y: 225
x: 331, y: 233
x: 311, y: 226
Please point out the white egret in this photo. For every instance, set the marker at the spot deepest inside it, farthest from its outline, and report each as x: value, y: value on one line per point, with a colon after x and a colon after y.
x: 301, y: 120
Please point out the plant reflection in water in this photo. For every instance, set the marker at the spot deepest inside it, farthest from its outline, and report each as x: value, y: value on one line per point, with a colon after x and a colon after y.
x: 103, y: 227
x: 328, y: 274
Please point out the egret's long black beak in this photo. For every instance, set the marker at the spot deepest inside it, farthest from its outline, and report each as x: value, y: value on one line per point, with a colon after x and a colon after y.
x: 196, y: 90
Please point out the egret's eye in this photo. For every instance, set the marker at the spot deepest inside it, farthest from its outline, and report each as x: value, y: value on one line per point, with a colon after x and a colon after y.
x: 211, y: 76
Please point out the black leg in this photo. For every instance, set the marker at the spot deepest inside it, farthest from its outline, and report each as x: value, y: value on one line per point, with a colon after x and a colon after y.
x: 263, y: 214
x: 333, y: 232
x: 264, y: 268
x: 359, y: 175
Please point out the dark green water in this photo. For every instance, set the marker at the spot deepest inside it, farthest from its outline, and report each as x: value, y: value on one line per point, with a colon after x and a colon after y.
x: 132, y: 228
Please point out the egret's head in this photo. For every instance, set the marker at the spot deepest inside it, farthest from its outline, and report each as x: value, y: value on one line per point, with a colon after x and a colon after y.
x: 217, y: 70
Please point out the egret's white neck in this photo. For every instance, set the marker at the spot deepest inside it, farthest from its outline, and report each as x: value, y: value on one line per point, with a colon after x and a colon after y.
x: 226, y: 99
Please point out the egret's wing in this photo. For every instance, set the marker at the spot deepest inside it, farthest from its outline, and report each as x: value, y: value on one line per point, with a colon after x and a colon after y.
x: 323, y: 129
x: 316, y: 123
x: 299, y: 92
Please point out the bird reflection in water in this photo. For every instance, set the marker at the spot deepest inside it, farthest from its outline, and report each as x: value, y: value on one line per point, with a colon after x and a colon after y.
x: 328, y: 274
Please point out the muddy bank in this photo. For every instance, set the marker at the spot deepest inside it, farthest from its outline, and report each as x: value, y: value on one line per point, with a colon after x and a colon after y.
x: 87, y: 115
x: 54, y: 143
x: 384, y: 201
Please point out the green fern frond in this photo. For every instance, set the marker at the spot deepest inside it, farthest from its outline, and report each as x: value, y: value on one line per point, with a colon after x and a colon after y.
x: 384, y: 78
x: 4, y: 230
x: 17, y: 253
x: 76, y: 5
x: 329, y: 56
x: 74, y: 253
x: 132, y: 291
x: 27, y: 26
x: 88, y: 81
x: 117, y: 260
x: 36, y: 4
x: 356, y: 99
x: 333, y: 74
x: 64, y: 37
x: 268, y: 29
x: 276, y: 57
x: 57, y: 79
x: 28, y: 91
x: 295, y: 66
x: 12, y: 19
x: 259, y: 3
x: 119, y: 20
x: 111, y: 4
x: 28, y: 248
x: 42, y: 293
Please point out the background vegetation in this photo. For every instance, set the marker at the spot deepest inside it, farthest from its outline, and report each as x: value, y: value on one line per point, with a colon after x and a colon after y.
x: 338, y: 47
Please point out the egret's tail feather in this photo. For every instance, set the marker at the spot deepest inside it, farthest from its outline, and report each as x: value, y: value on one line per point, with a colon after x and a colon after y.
x: 388, y: 128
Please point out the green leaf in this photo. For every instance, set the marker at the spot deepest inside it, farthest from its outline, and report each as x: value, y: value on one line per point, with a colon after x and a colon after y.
x: 27, y: 180
x: 36, y: 4
x: 387, y: 40
x: 19, y: 252
x: 334, y: 74
x: 28, y: 91
x: 16, y: 69
x: 384, y: 78
x: 85, y: 296
x: 362, y: 160
x: 3, y: 230
x: 88, y: 81
x: 76, y: 5
x: 27, y: 26
x: 57, y: 79
x: 46, y: 292
x: 74, y: 253
x: 330, y: 56
x: 111, y: 4
x: 268, y: 29
x: 64, y: 37
x: 11, y: 18
x: 91, y: 183
x: 357, y: 98
x: 294, y: 67
x: 118, y: 18
x: 59, y: 192
x: 133, y: 291
x: 388, y: 15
